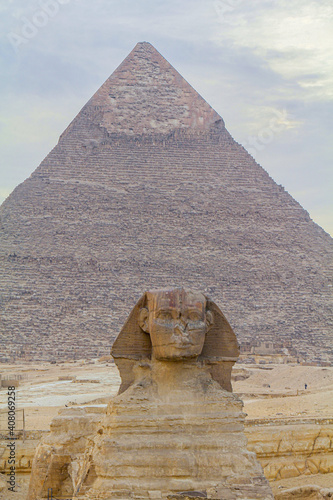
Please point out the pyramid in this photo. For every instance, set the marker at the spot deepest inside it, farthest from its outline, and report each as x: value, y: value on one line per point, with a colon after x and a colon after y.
x: 147, y: 189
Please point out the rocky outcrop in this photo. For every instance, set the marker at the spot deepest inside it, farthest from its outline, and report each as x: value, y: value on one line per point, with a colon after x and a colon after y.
x: 25, y: 447
x: 309, y: 492
x: 63, y: 456
x: 3, y: 483
x: 293, y: 449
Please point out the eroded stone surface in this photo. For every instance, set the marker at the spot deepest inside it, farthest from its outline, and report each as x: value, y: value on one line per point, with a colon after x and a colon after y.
x: 3, y: 483
x: 173, y: 429
x: 309, y: 492
x: 63, y: 456
x: 292, y: 450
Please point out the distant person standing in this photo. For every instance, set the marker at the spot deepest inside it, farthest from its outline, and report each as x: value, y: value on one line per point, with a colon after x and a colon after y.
x: 306, y: 386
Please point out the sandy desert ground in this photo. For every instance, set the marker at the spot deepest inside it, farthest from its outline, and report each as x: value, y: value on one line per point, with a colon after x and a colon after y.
x: 276, y: 392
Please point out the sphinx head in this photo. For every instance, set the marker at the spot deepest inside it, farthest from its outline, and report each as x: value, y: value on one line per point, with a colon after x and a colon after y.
x: 175, y: 325
x: 177, y: 321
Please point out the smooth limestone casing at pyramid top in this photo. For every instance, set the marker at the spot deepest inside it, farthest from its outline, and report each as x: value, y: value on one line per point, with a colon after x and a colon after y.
x: 146, y: 187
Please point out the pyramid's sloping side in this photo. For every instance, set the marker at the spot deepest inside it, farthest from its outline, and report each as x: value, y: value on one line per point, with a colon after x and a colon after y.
x: 81, y: 240
x: 110, y: 214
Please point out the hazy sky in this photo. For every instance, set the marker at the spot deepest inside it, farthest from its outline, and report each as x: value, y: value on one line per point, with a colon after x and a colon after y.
x: 266, y: 66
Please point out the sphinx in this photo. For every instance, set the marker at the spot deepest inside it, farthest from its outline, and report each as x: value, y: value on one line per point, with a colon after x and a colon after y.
x: 175, y: 429
x: 156, y: 318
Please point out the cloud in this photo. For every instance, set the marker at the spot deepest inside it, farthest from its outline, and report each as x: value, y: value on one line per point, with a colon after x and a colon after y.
x: 4, y: 193
x: 294, y: 38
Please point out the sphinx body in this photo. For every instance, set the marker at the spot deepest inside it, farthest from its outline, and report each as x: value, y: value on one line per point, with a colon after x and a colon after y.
x: 175, y: 430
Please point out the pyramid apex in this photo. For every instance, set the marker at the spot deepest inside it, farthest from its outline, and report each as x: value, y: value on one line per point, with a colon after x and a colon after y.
x: 144, y: 43
x: 146, y: 95
x: 145, y: 46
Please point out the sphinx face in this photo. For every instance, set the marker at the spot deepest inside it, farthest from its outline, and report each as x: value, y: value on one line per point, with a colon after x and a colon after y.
x: 177, y: 323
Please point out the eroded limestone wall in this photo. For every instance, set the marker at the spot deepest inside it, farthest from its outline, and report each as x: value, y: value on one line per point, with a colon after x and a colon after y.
x: 292, y: 449
x: 285, y: 450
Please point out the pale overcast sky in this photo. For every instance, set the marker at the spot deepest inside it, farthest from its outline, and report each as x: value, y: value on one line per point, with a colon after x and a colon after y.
x: 266, y: 66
